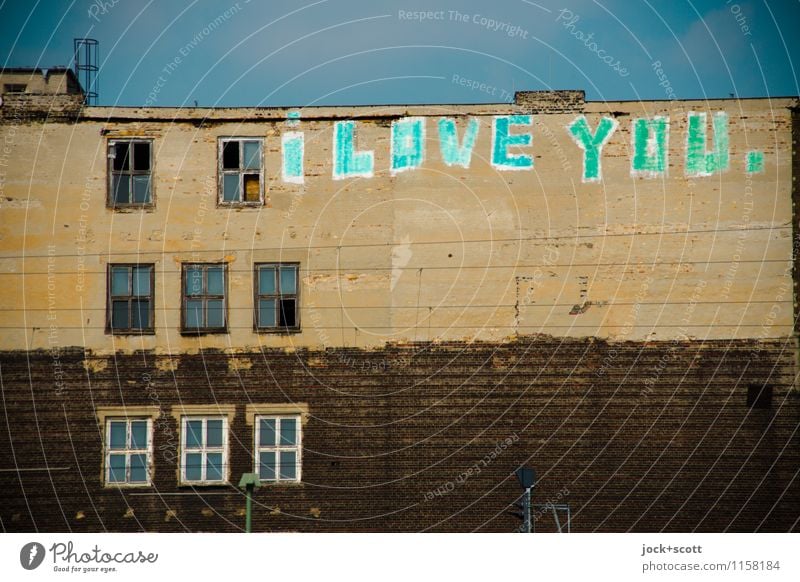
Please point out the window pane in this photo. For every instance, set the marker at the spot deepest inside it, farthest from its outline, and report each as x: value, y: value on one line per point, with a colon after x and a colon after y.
x: 288, y: 280
x: 116, y: 465
x: 266, y: 313
x: 216, y: 285
x: 214, y: 467
x: 252, y: 189
x: 141, y: 281
x: 138, y: 434
x: 141, y: 156
x: 267, y: 436
x: 266, y: 466
x: 215, y: 313
x: 119, y: 281
x: 138, y: 469
x: 141, y: 189
x: 287, y: 314
x: 288, y: 465
x: 140, y: 314
x: 194, y: 466
x: 194, y: 281
x: 230, y: 187
x: 121, y: 194
x: 194, y: 314
x: 288, y: 431
x: 230, y: 155
x: 121, y: 157
x: 266, y: 280
x: 194, y: 434
x: 119, y: 315
x: 118, y: 437
x: 252, y: 155
x: 214, y: 433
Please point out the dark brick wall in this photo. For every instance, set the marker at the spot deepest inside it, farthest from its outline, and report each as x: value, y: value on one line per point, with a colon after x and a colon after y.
x: 564, y: 101
x: 26, y: 107
x: 634, y: 436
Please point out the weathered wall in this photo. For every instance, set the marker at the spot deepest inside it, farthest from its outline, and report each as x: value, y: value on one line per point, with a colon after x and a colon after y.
x: 642, y: 437
x: 438, y: 252
x: 54, y: 81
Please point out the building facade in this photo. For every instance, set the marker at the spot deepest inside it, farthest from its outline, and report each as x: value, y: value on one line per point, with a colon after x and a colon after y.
x: 385, y: 310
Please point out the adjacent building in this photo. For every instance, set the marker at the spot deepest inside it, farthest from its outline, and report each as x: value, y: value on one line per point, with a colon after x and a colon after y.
x: 385, y: 310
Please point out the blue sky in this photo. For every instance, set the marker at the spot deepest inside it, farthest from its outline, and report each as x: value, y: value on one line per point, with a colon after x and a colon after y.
x: 305, y: 52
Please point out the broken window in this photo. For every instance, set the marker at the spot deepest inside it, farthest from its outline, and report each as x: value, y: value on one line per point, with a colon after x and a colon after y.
x: 276, y: 301
x: 130, y: 298
x: 278, y: 448
x: 204, y: 298
x: 130, y: 163
x: 241, y: 172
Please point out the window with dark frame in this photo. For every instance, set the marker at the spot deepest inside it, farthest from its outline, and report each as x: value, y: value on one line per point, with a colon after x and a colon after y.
x: 130, y: 173
x: 14, y: 88
x: 204, y: 308
x: 130, y: 298
x: 241, y: 171
x: 277, y: 299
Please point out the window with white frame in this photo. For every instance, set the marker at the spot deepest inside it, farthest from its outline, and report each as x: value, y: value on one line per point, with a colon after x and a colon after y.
x: 278, y: 450
x: 241, y: 173
x: 128, y: 451
x: 204, y: 451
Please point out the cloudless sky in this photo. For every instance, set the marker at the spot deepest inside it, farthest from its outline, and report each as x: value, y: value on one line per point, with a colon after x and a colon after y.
x: 306, y: 52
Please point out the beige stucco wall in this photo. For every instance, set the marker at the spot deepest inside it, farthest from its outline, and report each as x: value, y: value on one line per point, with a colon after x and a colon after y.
x: 557, y: 256
x: 37, y: 82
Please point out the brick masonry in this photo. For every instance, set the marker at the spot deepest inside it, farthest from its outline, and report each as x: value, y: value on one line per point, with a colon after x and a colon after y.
x: 634, y: 436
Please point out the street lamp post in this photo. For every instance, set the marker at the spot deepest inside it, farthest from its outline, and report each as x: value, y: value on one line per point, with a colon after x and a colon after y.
x: 527, y: 479
x: 249, y: 482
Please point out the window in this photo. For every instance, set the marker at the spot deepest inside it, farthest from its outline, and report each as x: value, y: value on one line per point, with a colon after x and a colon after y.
x: 129, y: 170
x: 128, y: 451
x: 14, y: 88
x: 130, y: 298
x: 276, y: 299
x: 204, y: 455
x: 240, y: 171
x: 278, y: 448
x: 204, y: 298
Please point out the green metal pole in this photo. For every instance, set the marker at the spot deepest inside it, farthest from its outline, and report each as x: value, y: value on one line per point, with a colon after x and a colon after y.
x: 248, y: 524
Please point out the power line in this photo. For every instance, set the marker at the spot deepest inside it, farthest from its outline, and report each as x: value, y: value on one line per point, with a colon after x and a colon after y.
x: 394, y: 244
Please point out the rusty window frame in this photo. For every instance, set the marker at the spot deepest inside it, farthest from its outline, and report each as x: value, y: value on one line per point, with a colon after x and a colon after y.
x: 239, y: 172
x: 130, y: 174
x: 277, y: 296
x: 130, y: 298
x: 204, y: 297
